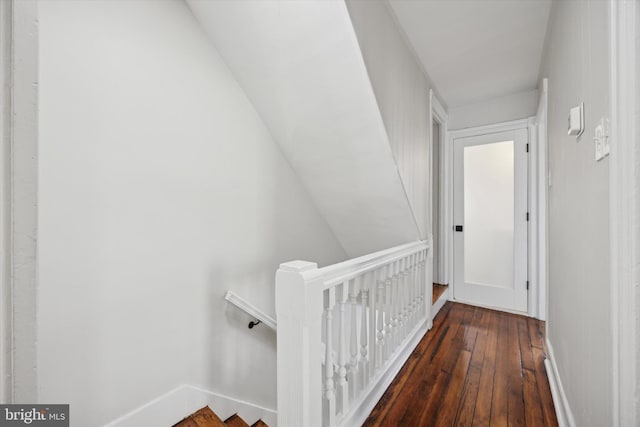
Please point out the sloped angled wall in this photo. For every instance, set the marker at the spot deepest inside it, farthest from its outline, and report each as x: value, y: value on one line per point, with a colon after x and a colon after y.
x: 401, y: 87
x: 300, y: 64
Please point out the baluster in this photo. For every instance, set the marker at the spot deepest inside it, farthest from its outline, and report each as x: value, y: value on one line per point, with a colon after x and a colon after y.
x: 405, y: 299
x: 373, y: 320
x: 343, y: 392
x: 397, y: 304
x: 402, y: 306
x: 364, y: 331
x: 393, y: 301
x: 421, y: 290
x: 382, y: 307
x: 423, y: 283
x: 401, y: 324
x: 354, y: 289
x: 408, y: 309
x: 419, y: 286
x: 411, y: 302
x: 417, y: 312
x: 388, y: 338
x: 421, y: 302
x: 329, y: 388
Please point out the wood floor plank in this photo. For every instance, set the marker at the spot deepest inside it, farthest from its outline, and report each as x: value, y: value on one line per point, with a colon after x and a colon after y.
x: 544, y: 390
x: 516, y: 417
x: 446, y: 349
x: 468, y: 397
x: 451, y: 402
x: 472, y: 329
x: 429, y: 415
x: 532, y: 405
x: 525, y: 344
x: 397, y: 387
x: 500, y: 399
x: 475, y: 367
x: 536, y: 333
x: 482, y: 411
x: 437, y: 291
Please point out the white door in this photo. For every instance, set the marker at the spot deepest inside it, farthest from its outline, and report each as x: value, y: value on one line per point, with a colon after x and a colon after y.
x: 490, y: 220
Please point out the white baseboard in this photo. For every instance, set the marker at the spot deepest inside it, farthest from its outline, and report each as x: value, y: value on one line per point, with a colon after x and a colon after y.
x: 563, y: 410
x: 173, y: 406
x: 439, y: 303
x: 361, y: 409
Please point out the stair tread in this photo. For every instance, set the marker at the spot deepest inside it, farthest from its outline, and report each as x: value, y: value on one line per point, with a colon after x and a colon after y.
x: 259, y: 423
x: 204, y: 417
x: 235, y: 421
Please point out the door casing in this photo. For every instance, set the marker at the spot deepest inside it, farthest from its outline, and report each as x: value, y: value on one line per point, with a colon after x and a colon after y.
x: 537, y: 211
x: 485, y: 294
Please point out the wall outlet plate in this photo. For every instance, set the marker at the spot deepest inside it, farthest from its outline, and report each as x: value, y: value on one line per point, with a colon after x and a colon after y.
x: 576, y: 121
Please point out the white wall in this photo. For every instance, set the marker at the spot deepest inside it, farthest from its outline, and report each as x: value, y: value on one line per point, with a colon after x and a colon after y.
x: 300, y: 65
x: 159, y: 188
x: 579, y: 323
x: 511, y: 107
x: 402, y: 91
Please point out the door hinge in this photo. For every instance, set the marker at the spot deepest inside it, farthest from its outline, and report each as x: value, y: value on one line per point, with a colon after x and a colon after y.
x: 527, y: 285
x: 527, y: 147
x: 527, y: 216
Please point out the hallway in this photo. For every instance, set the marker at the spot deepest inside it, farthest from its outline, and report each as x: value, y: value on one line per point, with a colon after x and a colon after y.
x: 475, y: 367
x: 279, y: 183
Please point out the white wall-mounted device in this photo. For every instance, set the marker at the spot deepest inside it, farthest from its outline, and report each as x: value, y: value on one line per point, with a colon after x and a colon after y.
x: 601, y: 138
x: 576, y: 120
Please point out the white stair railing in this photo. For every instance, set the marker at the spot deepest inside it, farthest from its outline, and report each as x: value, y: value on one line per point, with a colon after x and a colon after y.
x: 345, y: 330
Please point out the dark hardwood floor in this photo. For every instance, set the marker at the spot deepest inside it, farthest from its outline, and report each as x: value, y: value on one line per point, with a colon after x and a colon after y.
x: 437, y: 291
x: 476, y: 367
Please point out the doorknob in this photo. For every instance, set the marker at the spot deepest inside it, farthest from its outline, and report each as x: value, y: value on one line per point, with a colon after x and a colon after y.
x: 458, y: 228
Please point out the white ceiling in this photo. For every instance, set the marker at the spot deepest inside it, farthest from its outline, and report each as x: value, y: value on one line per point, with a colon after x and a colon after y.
x: 475, y: 50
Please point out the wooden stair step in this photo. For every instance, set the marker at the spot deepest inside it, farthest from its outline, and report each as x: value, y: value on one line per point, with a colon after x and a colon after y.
x: 204, y: 417
x: 235, y: 421
x: 259, y: 423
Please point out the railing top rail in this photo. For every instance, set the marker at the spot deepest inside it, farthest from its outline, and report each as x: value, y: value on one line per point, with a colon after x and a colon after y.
x: 337, y: 273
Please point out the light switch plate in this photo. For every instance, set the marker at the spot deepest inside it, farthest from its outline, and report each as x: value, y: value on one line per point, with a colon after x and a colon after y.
x: 606, y: 126
x: 598, y: 141
x: 575, y: 125
x: 601, y: 139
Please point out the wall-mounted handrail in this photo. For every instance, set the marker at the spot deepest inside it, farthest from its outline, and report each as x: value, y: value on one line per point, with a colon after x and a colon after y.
x: 252, y: 310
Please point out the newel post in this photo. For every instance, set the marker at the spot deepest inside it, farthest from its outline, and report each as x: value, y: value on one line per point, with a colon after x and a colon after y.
x: 299, y: 306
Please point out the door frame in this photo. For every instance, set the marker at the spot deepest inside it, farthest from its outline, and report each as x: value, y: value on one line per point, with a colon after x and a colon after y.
x: 438, y: 113
x: 537, y: 288
x: 624, y: 210
x: 19, y: 198
x: 6, y: 299
x: 538, y: 196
